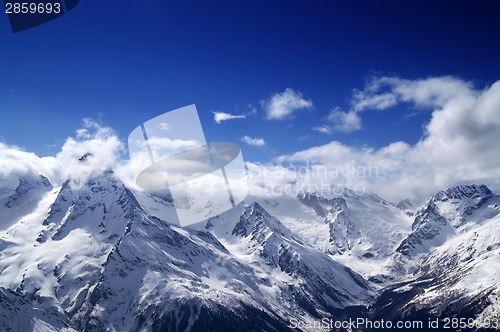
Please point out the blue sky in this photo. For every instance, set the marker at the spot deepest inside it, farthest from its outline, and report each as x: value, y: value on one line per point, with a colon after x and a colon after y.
x: 124, y: 62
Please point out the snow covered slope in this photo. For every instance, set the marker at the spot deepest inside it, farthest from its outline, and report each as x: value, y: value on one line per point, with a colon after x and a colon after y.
x: 456, y: 244
x: 16, y: 203
x: 361, y: 231
x: 101, y: 257
x: 98, y: 260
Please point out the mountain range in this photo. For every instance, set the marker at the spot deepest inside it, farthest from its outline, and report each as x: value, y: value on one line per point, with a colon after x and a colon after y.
x: 103, y: 257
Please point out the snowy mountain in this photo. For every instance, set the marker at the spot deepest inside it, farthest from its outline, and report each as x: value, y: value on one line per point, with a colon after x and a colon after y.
x: 95, y: 257
x: 102, y: 257
x: 437, y: 260
x: 455, y: 210
x: 456, y: 236
x: 360, y: 231
x: 342, y: 231
x: 23, y: 199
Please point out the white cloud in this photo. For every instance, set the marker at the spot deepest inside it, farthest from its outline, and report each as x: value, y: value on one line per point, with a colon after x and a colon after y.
x: 221, y: 116
x: 324, y: 129
x: 384, y: 92
x: 459, y: 144
x: 345, y: 121
x: 340, y: 121
x: 15, y: 162
x: 379, y: 102
x: 101, y: 143
x: 168, y: 145
x: 283, y: 105
x: 254, y: 141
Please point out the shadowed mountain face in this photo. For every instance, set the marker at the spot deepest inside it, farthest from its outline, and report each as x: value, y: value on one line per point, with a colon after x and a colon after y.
x: 101, y: 257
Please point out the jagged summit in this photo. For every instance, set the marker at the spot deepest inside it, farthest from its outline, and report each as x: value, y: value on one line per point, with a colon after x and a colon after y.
x: 23, y: 199
x: 464, y: 191
x: 254, y: 218
x: 404, y: 204
x: 29, y: 183
x: 446, y: 214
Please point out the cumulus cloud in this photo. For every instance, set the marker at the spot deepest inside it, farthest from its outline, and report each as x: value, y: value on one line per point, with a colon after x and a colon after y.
x: 283, y: 105
x: 221, y: 116
x: 384, y: 92
x: 99, y: 143
x: 459, y: 144
x: 364, y: 100
x: 15, y: 162
x: 340, y: 121
x: 345, y: 121
x: 253, y: 141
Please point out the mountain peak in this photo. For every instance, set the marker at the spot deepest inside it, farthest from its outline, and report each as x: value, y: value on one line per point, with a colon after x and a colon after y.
x: 255, y: 217
x: 321, y: 205
x: 448, y: 210
x: 29, y: 182
x: 29, y: 185
x: 464, y: 191
x: 85, y: 157
x: 404, y: 204
x: 257, y: 207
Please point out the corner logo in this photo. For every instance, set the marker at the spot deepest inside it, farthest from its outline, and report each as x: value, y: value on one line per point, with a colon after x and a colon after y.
x: 170, y: 153
x: 28, y: 14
